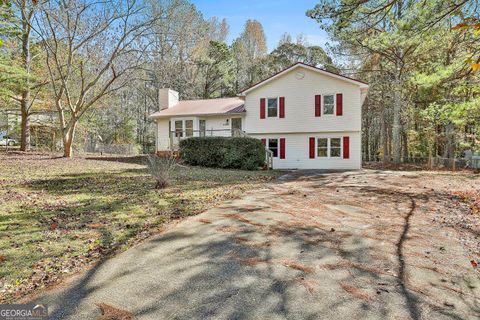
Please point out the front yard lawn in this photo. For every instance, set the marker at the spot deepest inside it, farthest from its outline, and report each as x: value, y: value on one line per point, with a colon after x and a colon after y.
x: 59, y: 215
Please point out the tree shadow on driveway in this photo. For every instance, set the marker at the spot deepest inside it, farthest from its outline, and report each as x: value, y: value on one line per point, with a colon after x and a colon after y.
x: 324, y: 247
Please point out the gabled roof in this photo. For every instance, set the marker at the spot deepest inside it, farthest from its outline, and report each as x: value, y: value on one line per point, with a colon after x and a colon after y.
x: 203, y: 107
x: 361, y: 84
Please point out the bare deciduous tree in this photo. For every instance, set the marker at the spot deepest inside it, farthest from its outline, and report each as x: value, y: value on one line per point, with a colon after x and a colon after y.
x: 91, y: 47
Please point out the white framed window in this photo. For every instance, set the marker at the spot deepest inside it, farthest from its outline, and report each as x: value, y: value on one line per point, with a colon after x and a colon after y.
x: 273, y: 146
x: 202, y: 124
x: 328, y: 104
x: 189, y: 128
x: 272, y: 107
x: 183, y: 128
x: 322, y: 147
x: 335, y: 147
x: 178, y: 128
x: 329, y: 147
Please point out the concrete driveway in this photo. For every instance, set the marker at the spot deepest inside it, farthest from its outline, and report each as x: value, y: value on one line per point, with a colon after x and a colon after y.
x: 345, y: 245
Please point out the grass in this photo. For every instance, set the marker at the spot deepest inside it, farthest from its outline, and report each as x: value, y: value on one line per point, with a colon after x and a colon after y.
x: 59, y: 215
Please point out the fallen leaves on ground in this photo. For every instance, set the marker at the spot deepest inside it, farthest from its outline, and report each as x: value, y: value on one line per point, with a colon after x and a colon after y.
x: 111, y: 313
x: 62, y: 215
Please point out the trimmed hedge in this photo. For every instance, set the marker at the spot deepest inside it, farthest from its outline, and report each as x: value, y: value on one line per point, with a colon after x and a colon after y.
x: 223, y: 152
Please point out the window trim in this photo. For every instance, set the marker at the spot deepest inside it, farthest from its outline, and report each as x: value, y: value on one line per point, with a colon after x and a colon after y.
x: 202, y: 132
x: 322, y: 104
x: 329, y: 147
x: 186, y: 130
x: 178, y: 132
x: 184, y: 127
x: 317, y: 147
x: 278, y: 146
x: 278, y: 107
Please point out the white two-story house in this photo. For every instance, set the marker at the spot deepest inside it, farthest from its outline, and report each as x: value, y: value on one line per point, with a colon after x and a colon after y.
x: 307, y: 117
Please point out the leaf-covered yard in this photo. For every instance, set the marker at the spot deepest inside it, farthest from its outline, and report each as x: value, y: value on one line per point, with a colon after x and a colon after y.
x: 58, y: 215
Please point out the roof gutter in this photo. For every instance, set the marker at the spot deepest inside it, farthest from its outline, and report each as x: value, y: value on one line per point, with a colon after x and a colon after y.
x: 196, y: 115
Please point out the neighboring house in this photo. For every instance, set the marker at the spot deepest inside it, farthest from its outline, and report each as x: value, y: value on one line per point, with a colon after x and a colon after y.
x: 11, y: 118
x: 309, y: 118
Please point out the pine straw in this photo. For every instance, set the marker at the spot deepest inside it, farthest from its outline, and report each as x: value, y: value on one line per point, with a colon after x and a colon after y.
x: 308, y: 284
x: 349, y: 265
x: 241, y: 218
x: 111, y: 313
x: 230, y: 229
x: 356, y: 292
x: 297, y: 266
x: 251, y: 261
x: 253, y: 244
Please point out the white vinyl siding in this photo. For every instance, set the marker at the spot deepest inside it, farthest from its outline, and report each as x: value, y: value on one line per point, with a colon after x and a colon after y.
x: 300, y: 123
x: 300, y: 105
x: 297, y: 151
x: 163, y: 141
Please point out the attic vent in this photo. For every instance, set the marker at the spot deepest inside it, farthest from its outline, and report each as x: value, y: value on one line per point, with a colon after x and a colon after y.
x: 300, y: 75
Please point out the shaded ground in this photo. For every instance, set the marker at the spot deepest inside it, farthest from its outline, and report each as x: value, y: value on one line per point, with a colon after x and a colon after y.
x: 59, y: 215
x: 368, y: 244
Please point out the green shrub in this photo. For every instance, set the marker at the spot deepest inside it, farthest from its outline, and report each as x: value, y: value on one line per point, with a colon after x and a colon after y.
x: 223, y: 152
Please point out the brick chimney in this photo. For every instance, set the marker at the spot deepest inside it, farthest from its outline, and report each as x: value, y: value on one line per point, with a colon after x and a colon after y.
x: 167, y: 98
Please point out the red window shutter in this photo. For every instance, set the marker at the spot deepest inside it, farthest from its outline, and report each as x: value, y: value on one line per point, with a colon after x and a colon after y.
x: 318, y: 99
x: 262, y: 108
x: 264, y: 142
x: 346, y: 147
x: 282, y: 107
x: 312, y: 148
x: 282, y: 148
x: 339, y: 104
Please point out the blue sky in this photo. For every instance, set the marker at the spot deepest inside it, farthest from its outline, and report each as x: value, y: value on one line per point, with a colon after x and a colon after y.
x: 276, y: 16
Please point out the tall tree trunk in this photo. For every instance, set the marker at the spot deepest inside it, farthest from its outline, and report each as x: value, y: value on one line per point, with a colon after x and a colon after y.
x: 384, y: 136
x: 25, y: 127
x: 25, y: 102
x: 68, y: 132
x: 397, y: 110
x: 404, y: 145
x: 68, y: 136
x: 366, y: 147
x: 449, y: 151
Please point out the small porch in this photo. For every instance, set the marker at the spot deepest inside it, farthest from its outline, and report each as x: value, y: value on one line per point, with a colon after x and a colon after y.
x: 212, y: 126
x: 172, y: 131
x: 176, y: 136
